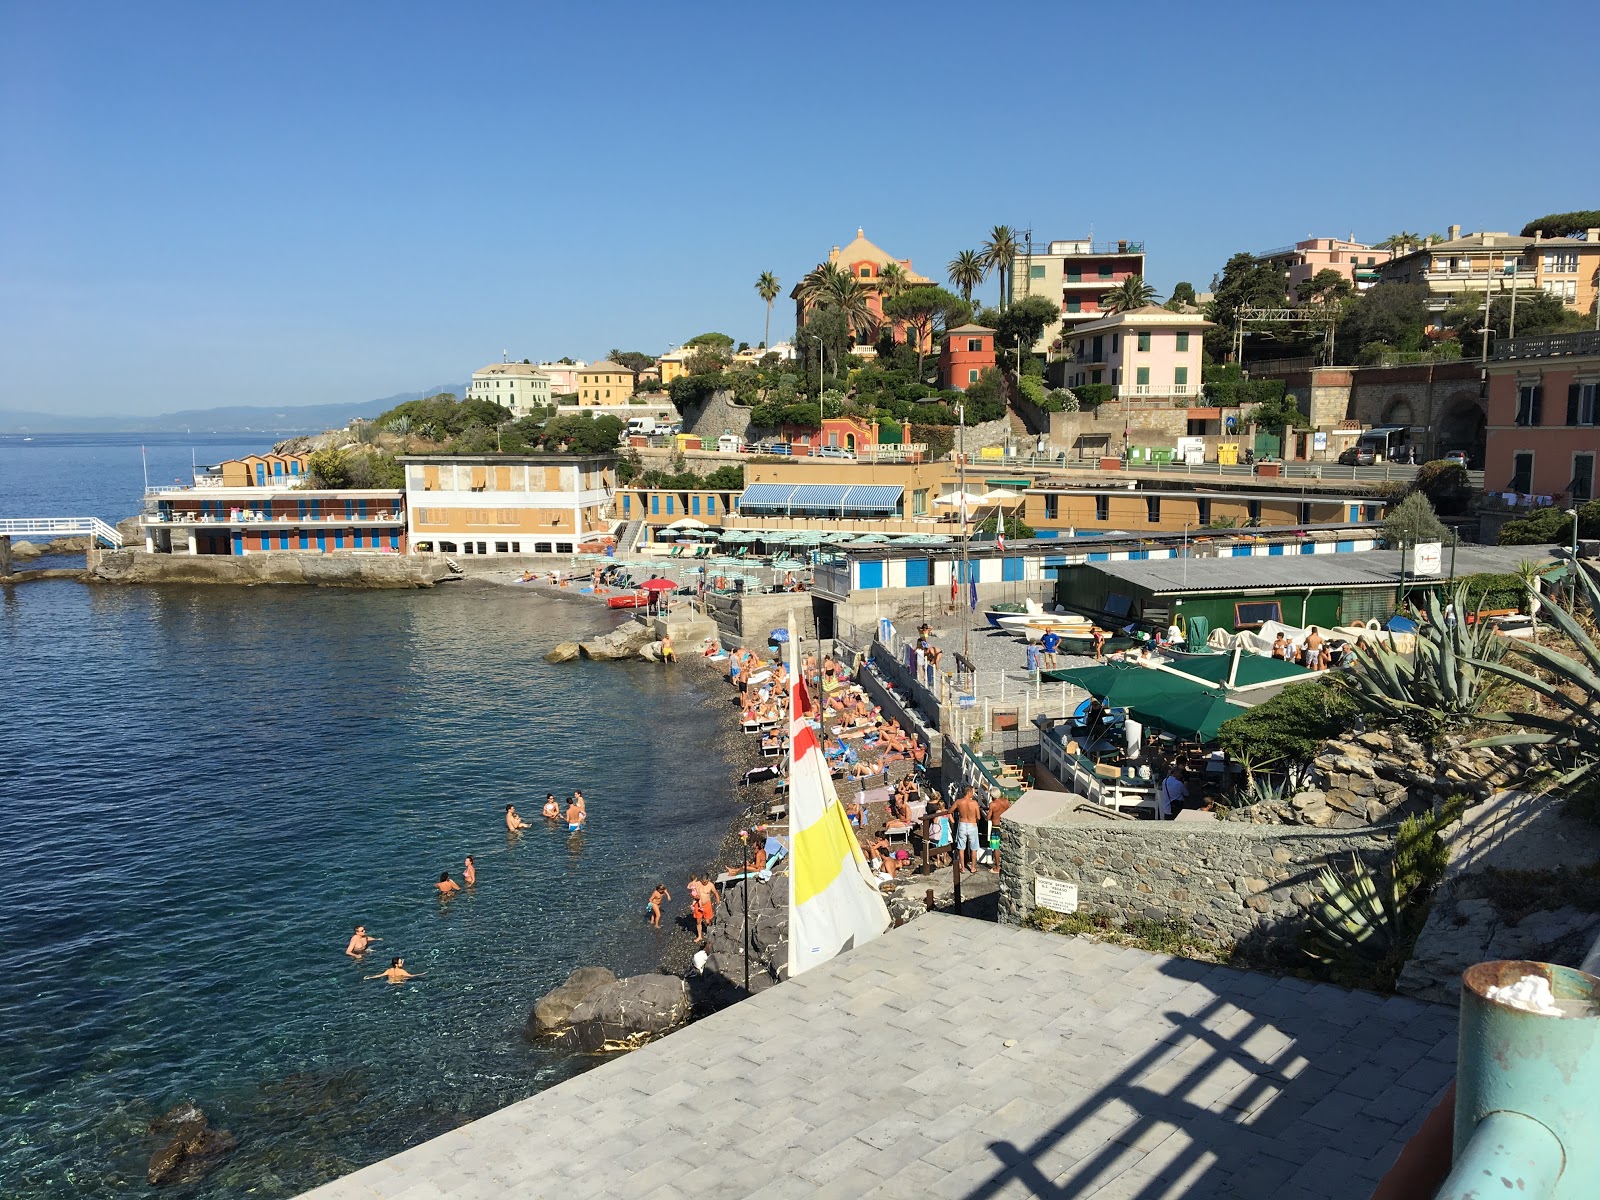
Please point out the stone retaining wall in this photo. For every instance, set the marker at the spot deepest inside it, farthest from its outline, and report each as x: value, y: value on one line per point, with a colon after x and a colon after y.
x: 281, y: 567
x: 1231, y: 883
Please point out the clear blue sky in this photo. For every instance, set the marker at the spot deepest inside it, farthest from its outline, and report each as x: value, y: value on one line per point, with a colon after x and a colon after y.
x: 213, y: 204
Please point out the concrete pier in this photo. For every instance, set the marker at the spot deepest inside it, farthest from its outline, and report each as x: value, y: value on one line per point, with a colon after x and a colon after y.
x: 958, y: 1058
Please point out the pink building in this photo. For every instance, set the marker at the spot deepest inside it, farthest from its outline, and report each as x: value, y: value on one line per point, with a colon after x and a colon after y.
x: 1148, y: 351
x: 1356, y: 261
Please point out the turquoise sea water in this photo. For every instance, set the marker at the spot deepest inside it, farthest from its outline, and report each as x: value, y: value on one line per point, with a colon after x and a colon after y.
x: 203, y: 789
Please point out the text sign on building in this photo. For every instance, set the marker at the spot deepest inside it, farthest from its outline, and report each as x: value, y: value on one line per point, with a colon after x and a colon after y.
x: 1319, y: 440
x: 1055, y: 894
x: 1427, y: 558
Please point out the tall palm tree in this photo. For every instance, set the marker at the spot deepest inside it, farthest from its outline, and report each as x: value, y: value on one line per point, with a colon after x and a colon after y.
x: 850, y: 298
x: 1133, y: 292
x: 892, y: 280
x: 998, y: 253
x: 767, y: 288
x: 818, y: 281
x: 967, y: 271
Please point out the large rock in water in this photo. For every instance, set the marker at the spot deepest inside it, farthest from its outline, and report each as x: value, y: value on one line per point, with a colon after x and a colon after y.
x: 623, y: 642
x: 552, y: 1012
x: 192, y: 1146
x: 563, y: 652
x: 630, y: 1012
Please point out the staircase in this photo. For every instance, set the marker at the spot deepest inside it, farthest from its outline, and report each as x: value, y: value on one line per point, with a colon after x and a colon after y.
x: 625, y: 538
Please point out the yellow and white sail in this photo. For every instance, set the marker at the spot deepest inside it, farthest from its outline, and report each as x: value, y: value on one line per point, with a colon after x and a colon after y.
x: 834, y: 902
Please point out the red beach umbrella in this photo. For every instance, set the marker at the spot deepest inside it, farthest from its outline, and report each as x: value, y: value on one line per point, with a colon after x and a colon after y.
x: 659, y: 585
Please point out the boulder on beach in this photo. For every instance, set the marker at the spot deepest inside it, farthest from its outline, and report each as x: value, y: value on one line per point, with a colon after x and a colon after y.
x: 191, y: 1149
x: 630, y: 1012
x: 26, y: 550
x: 624, y: 642
x: 552, y: 1012
x: 563, y: 652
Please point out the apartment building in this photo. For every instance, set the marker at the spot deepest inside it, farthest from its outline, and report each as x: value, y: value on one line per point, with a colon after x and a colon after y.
x: 604, y: 383
x: 1544, y: 419
x: 1567, y: 267
x: 508, y: 503
x: 1145, y: 352
x: 1077, y: 273
x: 1356, y: 261
x: 518, y: 386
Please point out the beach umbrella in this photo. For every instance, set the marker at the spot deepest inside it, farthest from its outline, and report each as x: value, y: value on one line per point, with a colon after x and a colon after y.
x: 659, y: 585
x: 973, y: 499
x: 688, y: 523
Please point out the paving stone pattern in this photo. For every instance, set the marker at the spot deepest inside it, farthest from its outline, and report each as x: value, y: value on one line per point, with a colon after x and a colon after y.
x: 962, y: 1059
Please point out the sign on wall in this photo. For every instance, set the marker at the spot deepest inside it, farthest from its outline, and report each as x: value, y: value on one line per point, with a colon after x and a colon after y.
x: 1055, y: 894
x: 1319, y: 440
x: 1427, y: 558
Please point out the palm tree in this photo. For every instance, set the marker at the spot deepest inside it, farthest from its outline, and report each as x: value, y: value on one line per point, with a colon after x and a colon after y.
x: 818, y: 281
x: 767, y: 288
x: 1400, y: 242
x: 892, y: 280
x: 967, y: 271
x: 850, y: 298
x: 1133, y: 292
x: 998, y: 253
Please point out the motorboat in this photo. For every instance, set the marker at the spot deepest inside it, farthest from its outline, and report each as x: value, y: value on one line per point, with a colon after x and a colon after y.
x: 628, y: 600
x: 1000, y: 612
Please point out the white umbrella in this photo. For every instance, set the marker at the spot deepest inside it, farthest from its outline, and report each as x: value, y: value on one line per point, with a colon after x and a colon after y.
x: 972, y: 499
x: 687, y: 523
x: 994, y: 495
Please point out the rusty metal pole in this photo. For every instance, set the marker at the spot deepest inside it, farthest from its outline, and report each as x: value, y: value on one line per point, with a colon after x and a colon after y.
x: 955, y: 863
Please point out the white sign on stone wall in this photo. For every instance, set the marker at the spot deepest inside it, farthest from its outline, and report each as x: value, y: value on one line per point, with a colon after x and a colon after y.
x: 1056, y: 894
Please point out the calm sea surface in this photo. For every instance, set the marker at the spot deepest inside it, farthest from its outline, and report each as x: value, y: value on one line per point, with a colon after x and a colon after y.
x: 201, y: 792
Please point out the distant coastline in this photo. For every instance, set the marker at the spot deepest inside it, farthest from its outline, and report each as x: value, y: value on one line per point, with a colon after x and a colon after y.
x: 227, y: 419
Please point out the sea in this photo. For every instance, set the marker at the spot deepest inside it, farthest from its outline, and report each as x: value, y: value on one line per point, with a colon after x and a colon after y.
x: 202, y: 792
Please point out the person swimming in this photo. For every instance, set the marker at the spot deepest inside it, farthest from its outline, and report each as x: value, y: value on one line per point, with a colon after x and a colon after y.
x: 469, y: 873
x: 397, y: 972
x: 552, y: 807
x: 359, y: 941
x: 447, y: 887
x: 575, y: 813
x: 514, y: 823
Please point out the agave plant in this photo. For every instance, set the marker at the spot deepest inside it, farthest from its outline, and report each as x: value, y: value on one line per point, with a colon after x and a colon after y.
x: 1570, y: 734
x: 1440, y: 685
x: 1358, y: 916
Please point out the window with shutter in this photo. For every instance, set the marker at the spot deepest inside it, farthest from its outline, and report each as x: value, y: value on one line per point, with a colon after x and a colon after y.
x: 1573, y: 391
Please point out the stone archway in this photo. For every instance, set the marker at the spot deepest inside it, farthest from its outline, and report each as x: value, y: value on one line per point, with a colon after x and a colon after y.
x: 1398, y: 411
x: 1463, y: 425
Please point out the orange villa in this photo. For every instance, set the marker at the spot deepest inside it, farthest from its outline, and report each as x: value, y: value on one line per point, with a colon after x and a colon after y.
x: 865, y: 263
x: 967, y: 352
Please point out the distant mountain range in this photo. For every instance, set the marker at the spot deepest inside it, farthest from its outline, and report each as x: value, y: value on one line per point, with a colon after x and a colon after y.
x: 228, y: 419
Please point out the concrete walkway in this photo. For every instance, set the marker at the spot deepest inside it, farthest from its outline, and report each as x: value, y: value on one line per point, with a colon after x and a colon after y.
x: 957, y: 1058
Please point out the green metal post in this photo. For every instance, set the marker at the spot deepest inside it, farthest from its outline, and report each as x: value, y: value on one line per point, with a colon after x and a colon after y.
x: 1527, y: 1120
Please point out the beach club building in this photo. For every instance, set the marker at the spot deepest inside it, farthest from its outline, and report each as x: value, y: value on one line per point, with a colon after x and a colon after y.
x: 509, y: 503
x: 1544, y: 421
x: 1056, y: 507
x: 261, y: 504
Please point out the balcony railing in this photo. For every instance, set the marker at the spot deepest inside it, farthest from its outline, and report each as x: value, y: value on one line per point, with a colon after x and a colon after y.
x: 249, y: 518
x: 1552, y: 345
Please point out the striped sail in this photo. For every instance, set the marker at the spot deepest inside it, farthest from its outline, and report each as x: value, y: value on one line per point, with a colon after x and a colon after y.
x: 834, y: 902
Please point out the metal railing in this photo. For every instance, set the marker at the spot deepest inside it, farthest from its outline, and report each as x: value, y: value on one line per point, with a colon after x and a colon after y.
x: 59, y: 527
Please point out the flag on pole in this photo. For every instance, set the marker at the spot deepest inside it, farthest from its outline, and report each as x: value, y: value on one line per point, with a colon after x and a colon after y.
x: 972, y: 587
x: 834, y: 903
x: 1000, y: 538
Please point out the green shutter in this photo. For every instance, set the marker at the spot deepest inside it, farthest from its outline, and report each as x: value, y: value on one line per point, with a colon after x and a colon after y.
x: 1143, y: 376
x: 1144, y: 341
x: 1183, y: 341
x: 1180, y: 375
x: 1572, y: 403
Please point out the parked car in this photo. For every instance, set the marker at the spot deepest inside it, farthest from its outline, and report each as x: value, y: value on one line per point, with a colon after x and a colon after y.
x: 1457, y: 456
x: 834, y: 452
x: 1358, y: 456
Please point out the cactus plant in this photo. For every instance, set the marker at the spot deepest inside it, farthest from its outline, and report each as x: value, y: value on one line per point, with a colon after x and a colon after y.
x: 1358, y: 916
x: 1437, y: 687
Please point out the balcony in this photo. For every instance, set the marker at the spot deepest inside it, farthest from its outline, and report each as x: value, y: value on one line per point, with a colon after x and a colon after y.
x: 275, y: 522
x: 1553, y: 345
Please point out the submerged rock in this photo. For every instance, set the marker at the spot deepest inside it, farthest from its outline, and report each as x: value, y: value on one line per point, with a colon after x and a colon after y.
x: 552, y: 1012
x: 192, y: 1146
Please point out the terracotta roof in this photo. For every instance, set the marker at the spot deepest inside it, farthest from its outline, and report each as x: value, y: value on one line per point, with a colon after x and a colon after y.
x: 970, y: 328
x: 605, y: 367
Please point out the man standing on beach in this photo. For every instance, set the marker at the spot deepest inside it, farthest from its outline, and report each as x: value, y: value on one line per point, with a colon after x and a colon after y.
x: 1048, y: 645
x: 967, y: 816
x: 997, y: 809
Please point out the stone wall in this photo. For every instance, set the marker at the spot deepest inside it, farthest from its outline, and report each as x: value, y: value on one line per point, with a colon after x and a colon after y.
x: 1229, y: 882
x: 1147, y: 422
x: 717, y: 415
x: 281, y: 567
x: 747, y: 619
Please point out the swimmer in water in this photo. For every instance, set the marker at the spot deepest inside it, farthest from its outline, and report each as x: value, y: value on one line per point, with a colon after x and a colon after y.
x: 397, y: 972
x: 359, y: 941
x: 575, y: 815
x: 514, y: 823
x: 447, y: 887
x: 552, y: 807
x: 469, y: 873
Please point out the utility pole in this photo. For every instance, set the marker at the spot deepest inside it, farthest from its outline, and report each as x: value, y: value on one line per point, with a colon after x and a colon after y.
x: 961, y: 484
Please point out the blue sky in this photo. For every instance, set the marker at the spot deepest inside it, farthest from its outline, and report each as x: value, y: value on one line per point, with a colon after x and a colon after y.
x: 214, y: 204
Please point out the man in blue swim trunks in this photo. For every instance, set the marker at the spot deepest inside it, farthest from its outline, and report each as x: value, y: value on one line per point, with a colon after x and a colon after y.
x: 967, y: 815
x: 575, y: 814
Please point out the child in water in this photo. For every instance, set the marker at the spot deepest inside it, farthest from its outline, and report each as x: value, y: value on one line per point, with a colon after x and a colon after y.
x: 656, y: 897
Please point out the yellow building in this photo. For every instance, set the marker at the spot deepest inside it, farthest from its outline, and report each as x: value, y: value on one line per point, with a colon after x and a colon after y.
x: 604, y: 383
x: 1058, y: 507
x: 508, y: 504
x: 673, y: 364
x: 1568, y: 268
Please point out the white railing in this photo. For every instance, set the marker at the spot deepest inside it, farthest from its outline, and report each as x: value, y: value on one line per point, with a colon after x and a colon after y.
x: 250, y: 518
x: 59, y: 527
